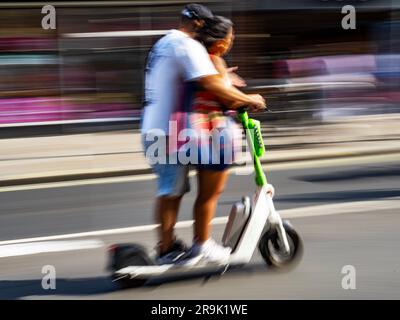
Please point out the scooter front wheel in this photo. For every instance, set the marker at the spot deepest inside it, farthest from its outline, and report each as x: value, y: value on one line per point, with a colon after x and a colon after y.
x: 272, y: 250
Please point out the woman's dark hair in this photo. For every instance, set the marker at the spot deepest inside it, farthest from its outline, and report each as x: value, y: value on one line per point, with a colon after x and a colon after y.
x: 216, y: 29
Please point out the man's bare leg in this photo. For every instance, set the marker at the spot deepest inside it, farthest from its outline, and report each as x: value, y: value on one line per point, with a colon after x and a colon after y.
x: 166, y: 213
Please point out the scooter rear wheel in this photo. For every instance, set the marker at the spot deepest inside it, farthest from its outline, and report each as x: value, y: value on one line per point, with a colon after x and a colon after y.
x: 272, y: 251
x: 125, y: 255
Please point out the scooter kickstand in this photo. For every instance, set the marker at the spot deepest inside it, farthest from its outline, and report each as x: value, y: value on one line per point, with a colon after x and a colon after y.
x: 206, y: 278
x: 119, y: 278
x: 225, y: 269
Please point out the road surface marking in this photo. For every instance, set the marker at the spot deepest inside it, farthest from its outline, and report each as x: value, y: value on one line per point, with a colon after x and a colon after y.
x: 312, y: 211
x: 22, y: 249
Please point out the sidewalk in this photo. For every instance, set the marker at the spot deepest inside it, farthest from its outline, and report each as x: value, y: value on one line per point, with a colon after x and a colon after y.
x: 118, y: 153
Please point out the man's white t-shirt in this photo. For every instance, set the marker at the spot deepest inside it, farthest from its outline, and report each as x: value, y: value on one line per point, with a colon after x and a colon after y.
x: 175, y: 60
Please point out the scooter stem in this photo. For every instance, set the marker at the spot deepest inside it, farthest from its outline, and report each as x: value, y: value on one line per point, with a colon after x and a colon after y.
x: 260, y: 177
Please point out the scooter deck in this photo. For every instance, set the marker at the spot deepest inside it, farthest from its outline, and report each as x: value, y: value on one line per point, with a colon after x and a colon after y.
x: 146, y: 272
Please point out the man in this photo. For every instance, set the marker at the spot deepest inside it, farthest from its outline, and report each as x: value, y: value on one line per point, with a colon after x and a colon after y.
x: 175, y: 62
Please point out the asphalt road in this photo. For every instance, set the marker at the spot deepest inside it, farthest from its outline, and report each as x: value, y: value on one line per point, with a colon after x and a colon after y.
x: 367, y: 239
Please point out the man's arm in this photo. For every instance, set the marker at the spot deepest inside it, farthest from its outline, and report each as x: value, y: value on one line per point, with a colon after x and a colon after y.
x: 217, y: 86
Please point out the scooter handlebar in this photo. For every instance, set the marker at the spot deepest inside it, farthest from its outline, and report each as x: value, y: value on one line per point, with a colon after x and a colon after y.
x: 242, y: 110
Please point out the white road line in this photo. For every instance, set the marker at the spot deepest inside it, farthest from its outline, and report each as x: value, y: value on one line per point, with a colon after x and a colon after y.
x: 86, y: 182
x: 148, y: 227
x: 22, y: 249
x: 343, y: 208
x: 321, y: 210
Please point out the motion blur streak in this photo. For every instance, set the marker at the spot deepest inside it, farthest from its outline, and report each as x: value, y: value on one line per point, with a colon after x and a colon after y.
x: 91, y: 65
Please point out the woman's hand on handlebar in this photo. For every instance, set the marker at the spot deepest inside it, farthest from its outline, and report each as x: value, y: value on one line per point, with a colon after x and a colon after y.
x: 257, y: 104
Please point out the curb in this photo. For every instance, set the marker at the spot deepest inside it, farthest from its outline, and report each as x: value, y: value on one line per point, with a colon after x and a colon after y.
x: 98, y: 173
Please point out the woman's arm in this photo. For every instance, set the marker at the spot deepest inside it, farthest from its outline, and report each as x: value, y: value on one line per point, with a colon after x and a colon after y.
x: 228, y: 95
x: 221, y: 67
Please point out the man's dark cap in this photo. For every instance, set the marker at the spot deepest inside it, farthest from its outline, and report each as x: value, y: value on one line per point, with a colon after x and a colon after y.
x: 196, y: 11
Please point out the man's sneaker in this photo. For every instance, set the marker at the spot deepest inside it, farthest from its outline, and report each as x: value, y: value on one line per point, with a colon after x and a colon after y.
x: 211, y: 251
x: 173, y: 255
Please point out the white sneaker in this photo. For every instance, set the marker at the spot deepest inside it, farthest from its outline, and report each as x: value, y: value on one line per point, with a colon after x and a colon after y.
x: 211, y: 251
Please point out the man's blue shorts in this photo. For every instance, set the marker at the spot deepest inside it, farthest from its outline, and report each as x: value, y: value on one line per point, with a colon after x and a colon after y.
x: 172, y: 179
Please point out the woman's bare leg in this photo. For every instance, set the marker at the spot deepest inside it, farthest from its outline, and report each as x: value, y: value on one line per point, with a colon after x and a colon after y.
x: 210, y: 186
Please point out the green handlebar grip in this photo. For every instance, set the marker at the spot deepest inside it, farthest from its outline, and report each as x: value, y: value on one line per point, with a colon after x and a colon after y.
x: 256, y: 143
x: 259, y: 147
x: 243, y: 117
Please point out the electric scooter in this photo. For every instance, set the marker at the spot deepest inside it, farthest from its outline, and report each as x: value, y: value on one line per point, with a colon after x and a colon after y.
x: 251, y: 223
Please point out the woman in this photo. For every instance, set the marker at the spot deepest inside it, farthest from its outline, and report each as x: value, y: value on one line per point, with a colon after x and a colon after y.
x: 210, y: 116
